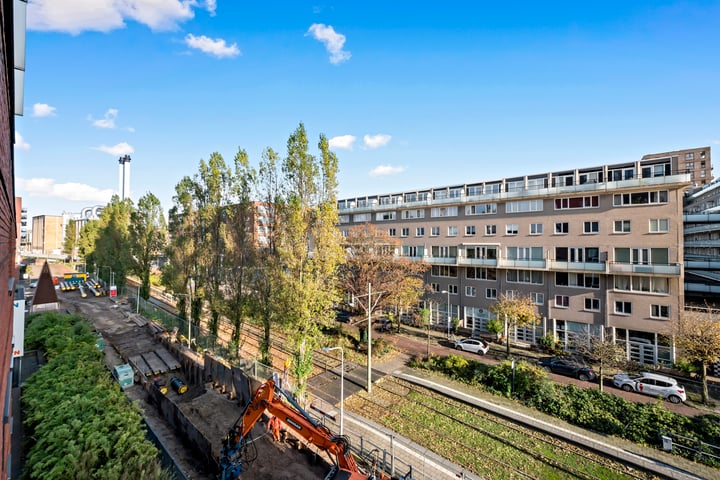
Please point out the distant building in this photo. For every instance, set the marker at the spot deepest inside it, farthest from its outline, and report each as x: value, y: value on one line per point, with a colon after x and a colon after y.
x: 48, y: 234
x: 702, y: 244
x: 598, y: 249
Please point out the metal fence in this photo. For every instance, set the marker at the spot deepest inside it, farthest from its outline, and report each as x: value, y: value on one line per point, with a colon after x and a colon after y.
x: 377, y: 453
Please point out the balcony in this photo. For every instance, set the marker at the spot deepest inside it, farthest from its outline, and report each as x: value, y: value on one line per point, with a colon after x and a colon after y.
x: 477, y: 262
x: 576, y: 266
x: 600, y: 187
x: 649, y: 269
x: 524, y: 264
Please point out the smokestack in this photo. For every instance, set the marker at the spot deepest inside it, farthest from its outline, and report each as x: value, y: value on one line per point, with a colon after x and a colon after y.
x: 124, y: 177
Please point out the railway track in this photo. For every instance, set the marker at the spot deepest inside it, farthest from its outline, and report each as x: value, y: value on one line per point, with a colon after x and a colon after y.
x: 487, y: 445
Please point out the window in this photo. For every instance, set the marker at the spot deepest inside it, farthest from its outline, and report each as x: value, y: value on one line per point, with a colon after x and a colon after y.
x: 470, y: 291
x: 621, y: 226
x: 491, y: 293
x: 452, y: 231
x: 536, y: 229
x: 659, y: 225
x: 660, y: 311
x: 481, y: 251
x: 392, y: 232
x: 628, y: 283
x: 582, y: 280
x: 344, y: 218
x: 410, y: 214
x: 524, y: 276
x: 482, y: 209
x: 444, y: 251
x: 658, y: 170
x: 434, y: 231
x: 362, y: 217
x: 412, y: 250
x: 444, y: 212
x: 621, y: 174
x: 562, y: 228
x: 382, y: 216
x: 642, y: 256
x: 592, y: 304
x: 435, y: 287
x: 405, y: 232
x: 511, y: 229
x: 537, y: 298
x: 448, y: 271
x: 562, y: 301
x: 514, y: 186
x: 623, y: 308
x: 591, y: 227
x: 640, y: 198
x: 524, y: 253
x: 453, y: 289
x: 481, y: 273
x: 577, y: 202
x: 469, y: 229
x: 591, y: 177
x: 420, y: 231
x: 577, y: 254
x: 690, y: 156
x: 521, y: 206
x: 490, y: 229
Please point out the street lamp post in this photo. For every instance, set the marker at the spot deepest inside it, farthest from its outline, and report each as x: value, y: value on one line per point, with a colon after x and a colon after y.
x: 448, y: 311
x: 342, y: 385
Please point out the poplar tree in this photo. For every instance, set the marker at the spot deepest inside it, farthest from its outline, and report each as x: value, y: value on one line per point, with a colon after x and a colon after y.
x: 148, y: 237
x: 309, y: 247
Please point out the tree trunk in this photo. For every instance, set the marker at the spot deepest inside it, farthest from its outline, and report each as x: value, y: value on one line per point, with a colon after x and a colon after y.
x: 703, y: 374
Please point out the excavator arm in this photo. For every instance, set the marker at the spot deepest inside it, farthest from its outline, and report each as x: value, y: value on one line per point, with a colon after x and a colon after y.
x: 268, y: 397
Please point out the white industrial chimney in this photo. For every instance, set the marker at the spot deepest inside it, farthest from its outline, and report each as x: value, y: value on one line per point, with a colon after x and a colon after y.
x: 124, y: 177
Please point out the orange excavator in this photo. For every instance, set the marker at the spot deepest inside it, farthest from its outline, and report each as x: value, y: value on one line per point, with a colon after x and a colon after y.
x: 273, y: 399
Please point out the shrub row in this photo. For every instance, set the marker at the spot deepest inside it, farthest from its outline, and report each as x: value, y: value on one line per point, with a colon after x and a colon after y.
x: 588, y: 408
x: 81, y: 424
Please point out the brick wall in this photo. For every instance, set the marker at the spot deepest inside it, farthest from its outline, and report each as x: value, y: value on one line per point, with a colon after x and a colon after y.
x: 8, y: 224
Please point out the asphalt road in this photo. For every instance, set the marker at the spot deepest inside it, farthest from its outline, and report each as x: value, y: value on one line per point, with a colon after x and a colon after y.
x: 413, y: 342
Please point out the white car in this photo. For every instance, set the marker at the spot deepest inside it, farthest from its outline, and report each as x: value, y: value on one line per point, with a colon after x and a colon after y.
x: 473, y: 345
x: 651, y: 384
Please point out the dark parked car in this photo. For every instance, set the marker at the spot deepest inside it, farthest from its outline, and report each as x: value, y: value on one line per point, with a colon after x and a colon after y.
x: 570, y: 366
x: 342, y: 316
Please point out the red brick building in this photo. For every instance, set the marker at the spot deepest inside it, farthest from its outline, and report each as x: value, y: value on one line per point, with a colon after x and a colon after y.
x: 10, y: 70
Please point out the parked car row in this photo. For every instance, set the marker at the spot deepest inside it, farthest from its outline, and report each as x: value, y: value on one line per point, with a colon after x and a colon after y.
x: 646, y: 383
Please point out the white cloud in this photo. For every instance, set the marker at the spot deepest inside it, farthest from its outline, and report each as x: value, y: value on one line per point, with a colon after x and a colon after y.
x: 216, y: 47
x: 333, y: 41
x: 46, y: 187
x: 20, y: 143
x: 77, y: 16
x: 108, y: 120
x: 43, y: 110
x: 117, y: 150
x: 376, y: 141
x: 342, y: 141
x: 211, y: 6
x: 385, y: 170
x: 716, y: 142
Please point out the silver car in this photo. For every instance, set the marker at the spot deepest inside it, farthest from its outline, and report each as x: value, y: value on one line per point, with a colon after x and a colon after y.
x: 474, y: 345
x: 651, y: 384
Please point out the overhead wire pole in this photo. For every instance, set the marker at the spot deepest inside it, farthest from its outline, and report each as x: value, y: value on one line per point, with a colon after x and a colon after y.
x: 369, y: 308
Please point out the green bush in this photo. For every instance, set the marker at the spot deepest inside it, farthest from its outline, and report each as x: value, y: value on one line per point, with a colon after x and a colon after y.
x: 81, y: 424
x: 588, y: 408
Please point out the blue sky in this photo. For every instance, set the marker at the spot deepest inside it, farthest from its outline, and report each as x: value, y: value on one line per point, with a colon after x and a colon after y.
x: 411, y: 94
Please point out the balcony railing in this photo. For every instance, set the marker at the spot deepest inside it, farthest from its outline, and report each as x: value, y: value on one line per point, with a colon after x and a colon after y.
x: 526, y: 264
x: 652, y: 269
x: 477, y: 262
x: 576, y: 266
x: 606, y: 187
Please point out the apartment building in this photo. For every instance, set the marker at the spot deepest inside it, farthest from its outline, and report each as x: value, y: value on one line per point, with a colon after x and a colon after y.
x: 599, y: 250
x: 702, y: 244
x: 48, y: 234
x: 695, y: 161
